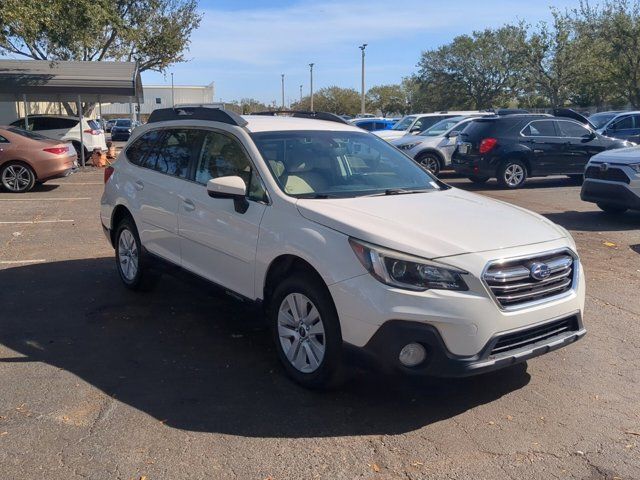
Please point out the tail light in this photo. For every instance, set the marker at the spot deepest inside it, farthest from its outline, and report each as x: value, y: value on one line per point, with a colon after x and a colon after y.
x: 56, y: 150
x: 487, y: 144
x: 107, y: 173
x: 91, y: 131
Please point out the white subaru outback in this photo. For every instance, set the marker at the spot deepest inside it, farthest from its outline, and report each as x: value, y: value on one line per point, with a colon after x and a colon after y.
x: 351, y: 247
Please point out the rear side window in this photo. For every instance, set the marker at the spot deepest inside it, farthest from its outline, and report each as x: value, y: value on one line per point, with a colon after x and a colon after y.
x: 571, y: 129
x: 624, y: 123
x: 94, y: 125
x: 540, y: 128
x: 52, y: 123
x: 173, y: 154
x: 138, y: 150
x: 3, y: 140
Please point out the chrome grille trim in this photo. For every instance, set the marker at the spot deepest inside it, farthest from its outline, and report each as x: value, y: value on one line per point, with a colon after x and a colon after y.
x: 509, y: 281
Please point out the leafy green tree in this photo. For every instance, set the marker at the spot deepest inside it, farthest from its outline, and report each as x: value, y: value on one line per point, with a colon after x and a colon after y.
x: 478, y: 70
x: 251, y: 105
x: 611, y: 31
x: 387, y: 99
x: 154, y: 33
x: 332, y: 99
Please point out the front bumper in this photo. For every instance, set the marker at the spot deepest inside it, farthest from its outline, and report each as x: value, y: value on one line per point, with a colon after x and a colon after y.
x: 383, y: 349
x: 611, y: 193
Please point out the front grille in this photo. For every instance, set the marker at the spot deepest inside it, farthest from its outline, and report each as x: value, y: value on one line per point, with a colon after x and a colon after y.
x: 513, y: 284
x: 612, y: 174
x: 513, y: 341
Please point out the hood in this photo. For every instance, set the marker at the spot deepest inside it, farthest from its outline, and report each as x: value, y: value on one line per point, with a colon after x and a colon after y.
x: 390, y: 134
x: 619, y: 155
x: 433, y: 224
x: 569, y: 113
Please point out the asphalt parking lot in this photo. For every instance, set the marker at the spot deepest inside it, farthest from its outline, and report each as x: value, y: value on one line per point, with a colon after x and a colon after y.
x: 182, y: 382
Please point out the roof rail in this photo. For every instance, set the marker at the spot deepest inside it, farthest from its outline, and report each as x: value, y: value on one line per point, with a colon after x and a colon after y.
x: 329, y: 117
x: 197, y: 113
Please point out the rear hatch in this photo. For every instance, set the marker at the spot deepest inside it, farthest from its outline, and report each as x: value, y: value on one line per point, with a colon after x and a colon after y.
x: 569, y: 113
x: 468, y: 141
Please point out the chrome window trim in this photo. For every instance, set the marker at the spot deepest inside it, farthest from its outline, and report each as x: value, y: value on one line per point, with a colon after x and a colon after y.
x: 521, y: 306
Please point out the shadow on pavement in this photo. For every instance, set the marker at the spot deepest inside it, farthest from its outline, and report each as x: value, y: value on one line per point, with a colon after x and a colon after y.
x: 531, y: 184
x: 201, y: 361
x: 596, y: 221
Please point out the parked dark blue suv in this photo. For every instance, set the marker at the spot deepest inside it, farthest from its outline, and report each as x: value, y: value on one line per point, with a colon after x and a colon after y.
x: 512, y: 148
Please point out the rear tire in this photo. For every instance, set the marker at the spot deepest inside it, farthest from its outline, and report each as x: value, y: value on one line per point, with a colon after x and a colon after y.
x: 17, y: 177
x: 430, y: 161
x: 612, y: 209
x: 478, y: 180
x: 306, y: 331
x: 131, y: 263
x: 512, y: 174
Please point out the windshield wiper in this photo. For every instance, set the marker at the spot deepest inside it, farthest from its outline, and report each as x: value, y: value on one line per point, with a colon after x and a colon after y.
x: 405, y: 191
x: 316, y: 195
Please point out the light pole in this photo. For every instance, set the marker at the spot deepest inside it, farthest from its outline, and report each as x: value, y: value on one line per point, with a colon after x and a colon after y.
x: 311, y: 86
x: 362, y: 106
x: 173, y: 101
x: 282, y: 90
x: 301, y: 95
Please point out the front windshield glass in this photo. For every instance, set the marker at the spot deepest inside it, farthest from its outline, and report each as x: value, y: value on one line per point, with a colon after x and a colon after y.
x: 442, y: 127
x: 599, y: 120
x: 123, y: 123
x: 323, y: 164
x: 404, y: 123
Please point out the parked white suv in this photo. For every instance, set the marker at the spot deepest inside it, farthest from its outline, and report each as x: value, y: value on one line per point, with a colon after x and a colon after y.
x: 348, y: 244
x: 416, y: 123
x: 67, y: 129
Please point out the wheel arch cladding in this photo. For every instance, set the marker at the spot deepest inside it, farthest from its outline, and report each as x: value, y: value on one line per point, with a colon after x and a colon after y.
x: 119, y: 213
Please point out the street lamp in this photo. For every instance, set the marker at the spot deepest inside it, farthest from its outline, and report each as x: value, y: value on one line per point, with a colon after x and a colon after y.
x: 362, y: 106
x: 311, y: 85
x: 300, y: 95
x: 282, y: 75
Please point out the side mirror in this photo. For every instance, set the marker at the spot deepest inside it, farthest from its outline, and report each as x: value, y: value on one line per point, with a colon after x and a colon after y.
x: 589, y: 136
x: 232, y: 187
x: 453, y: 134
x: 415, y: 130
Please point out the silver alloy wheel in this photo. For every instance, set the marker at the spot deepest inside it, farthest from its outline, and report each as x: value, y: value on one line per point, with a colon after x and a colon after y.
x: 513, y: 174
x: 16, y: 178
x: 128, y: 255
x: 431, y: 164
x: 301, y: 332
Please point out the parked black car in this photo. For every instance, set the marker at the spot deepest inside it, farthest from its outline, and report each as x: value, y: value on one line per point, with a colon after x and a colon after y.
x: 122, y: 128
x: 514, y: 147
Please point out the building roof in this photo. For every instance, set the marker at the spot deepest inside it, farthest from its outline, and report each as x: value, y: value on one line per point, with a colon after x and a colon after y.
x: 63, y: 81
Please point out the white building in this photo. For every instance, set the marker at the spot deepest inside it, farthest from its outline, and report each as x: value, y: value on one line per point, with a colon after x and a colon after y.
x: 163, y: 96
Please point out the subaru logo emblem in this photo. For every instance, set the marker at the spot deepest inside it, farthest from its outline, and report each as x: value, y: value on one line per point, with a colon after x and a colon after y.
x: 539, y: 271
x: 604, y: 167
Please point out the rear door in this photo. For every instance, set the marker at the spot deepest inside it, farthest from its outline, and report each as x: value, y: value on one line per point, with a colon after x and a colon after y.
x: 579, y: 146
x: 217, y: 241
x: 545, y: 143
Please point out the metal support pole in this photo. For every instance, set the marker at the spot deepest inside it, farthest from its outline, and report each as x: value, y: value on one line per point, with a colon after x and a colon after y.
x: 311, y: 85
x: 362, y: 105
x: 282, y: 77
x: 79, y: 105
x: 301, y: 95
x: 26, y: 112
x: 173, y: 100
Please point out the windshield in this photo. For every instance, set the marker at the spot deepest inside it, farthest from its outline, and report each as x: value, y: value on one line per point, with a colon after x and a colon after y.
x: 442, y: 127
x: 123, y: 123
x: 323, y: 164
x: 599, y: 120
x: 25, y: 133
x: 404, y: 123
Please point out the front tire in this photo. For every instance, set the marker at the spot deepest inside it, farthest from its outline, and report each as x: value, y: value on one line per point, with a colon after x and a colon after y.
x: 306, y: 331
x: 512, y: 174
x: 430, y: 161
x: 130, y: 260
x: 17, y: 177
x: 611, y: 209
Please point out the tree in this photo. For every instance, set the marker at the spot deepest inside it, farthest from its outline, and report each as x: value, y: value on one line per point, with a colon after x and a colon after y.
x: 332, y: 99
x: 154, y: 33
x: 612, y: 32
x: 251, y: 105
x: 387, y: 99
x: 478, y: 70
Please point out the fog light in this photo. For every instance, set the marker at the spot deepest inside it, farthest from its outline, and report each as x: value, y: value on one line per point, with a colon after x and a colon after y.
x: 412, y: 354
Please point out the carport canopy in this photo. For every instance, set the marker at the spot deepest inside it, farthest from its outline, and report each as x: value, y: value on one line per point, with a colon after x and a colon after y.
x: 64, y: 81
x: 70, y: 81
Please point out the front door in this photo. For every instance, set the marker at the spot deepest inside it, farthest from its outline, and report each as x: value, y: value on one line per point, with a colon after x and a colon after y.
x: 219, y: 242
x: 579, y: 146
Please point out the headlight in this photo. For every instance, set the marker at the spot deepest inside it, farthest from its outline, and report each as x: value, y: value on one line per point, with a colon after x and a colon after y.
x: 635, y: 167
x: 405, y: 271
x: 408, y: 146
